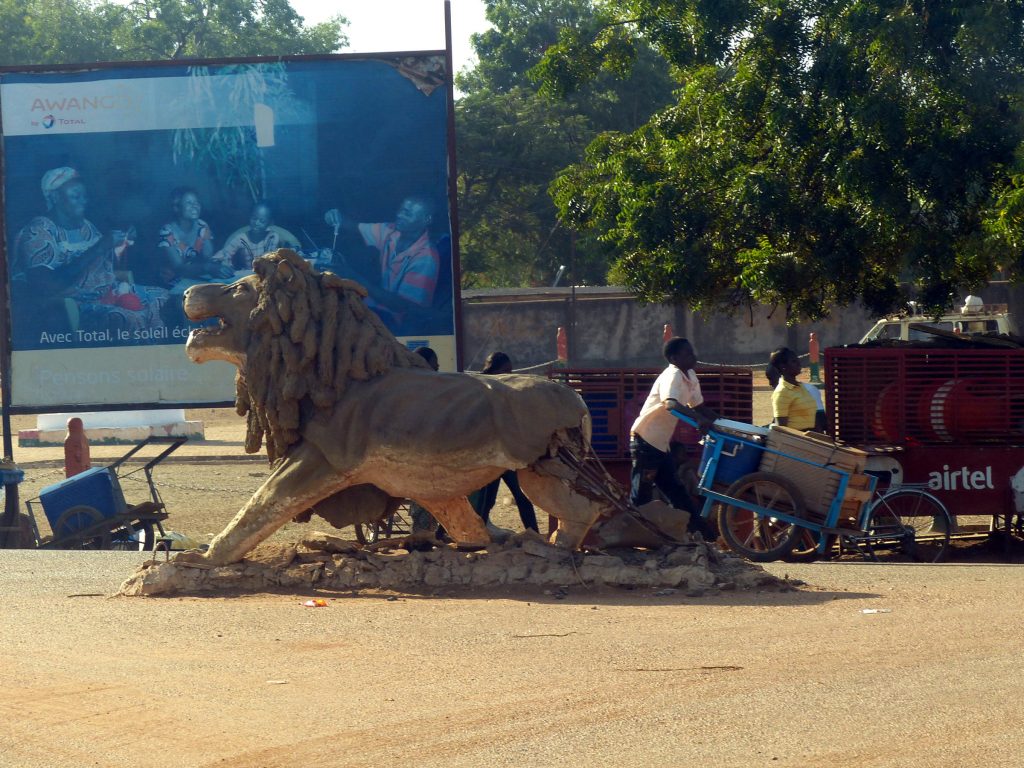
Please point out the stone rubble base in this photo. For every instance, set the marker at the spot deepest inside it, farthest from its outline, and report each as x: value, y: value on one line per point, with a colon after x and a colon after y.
x: 322, y: 561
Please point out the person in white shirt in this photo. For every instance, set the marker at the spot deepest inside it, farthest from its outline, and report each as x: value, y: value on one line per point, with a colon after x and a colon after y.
x: 676, y: 388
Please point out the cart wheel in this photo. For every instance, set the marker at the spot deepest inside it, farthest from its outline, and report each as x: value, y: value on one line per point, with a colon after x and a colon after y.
x: 77, y: 519
x: 805, y: 550
x: 923, y: 521
x: 367, y: 533
x: 139, y: 537
x: 761, y: 537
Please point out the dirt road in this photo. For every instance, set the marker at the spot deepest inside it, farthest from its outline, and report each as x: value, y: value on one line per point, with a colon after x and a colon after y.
x: 622, y: 678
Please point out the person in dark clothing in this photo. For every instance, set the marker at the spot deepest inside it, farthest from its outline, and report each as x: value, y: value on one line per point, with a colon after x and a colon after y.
x: 496, y: 363
x: 429, y: 355
x: 422, y: 520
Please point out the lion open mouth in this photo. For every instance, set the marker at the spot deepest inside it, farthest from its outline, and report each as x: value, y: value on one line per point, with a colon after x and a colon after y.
x: 210, y: 329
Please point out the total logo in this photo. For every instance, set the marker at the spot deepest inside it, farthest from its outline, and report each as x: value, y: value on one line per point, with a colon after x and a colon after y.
x: 48, y: 122
x: 963, y: 479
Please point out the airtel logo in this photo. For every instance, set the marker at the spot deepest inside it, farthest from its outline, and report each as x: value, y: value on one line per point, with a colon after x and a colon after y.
x: 962, y: 479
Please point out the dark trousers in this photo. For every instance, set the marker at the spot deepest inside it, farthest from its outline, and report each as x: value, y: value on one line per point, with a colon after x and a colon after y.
x: 527, y: 514
x: 651, y: 468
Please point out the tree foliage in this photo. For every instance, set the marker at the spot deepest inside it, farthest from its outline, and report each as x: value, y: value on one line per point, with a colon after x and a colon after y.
x: 513, y: 140
x: 817, y: 153
x: 82, y: 31
x: 218, y: 28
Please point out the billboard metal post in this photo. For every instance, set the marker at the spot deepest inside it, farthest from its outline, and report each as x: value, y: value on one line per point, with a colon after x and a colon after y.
x: 453, y: 186
x: 9, y: 515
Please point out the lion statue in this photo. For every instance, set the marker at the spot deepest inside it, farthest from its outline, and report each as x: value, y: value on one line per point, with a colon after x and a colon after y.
x: 352, y: 420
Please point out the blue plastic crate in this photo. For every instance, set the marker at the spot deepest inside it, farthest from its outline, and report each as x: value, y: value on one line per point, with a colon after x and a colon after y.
x: 736, y: 460
x: 97, y: 488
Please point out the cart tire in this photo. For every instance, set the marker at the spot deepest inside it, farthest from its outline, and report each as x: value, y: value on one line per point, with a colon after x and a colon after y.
x: 148, y: 538
x: 806, y: 549
x: 79, y: 518
x: 924, y: 521
x: 760, y: 537
x: 366, y: 533
x: 125, y: 538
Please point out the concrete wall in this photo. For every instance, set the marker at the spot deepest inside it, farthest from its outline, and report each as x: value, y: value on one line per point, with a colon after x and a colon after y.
x: 608, y: 328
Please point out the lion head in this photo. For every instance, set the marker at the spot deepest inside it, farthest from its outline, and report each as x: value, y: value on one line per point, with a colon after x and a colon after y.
x: 297, y: 337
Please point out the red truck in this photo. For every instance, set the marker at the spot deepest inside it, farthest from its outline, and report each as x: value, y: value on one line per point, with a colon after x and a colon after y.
x: 950, y: 419
x: 615, y: 396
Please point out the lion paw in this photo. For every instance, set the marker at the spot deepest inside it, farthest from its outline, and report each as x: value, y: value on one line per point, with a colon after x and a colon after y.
x: 192, y: 557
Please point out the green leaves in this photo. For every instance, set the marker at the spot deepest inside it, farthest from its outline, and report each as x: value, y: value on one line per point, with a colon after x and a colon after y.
x: 818, y: 153
x: 513, y: 141
x: 80, y: 31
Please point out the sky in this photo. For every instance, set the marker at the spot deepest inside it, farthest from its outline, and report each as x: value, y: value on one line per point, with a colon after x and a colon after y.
x: 401, y: 25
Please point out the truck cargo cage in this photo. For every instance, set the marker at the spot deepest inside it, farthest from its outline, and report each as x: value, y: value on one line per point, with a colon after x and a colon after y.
x: 615, y: 397
x: 922, y: 396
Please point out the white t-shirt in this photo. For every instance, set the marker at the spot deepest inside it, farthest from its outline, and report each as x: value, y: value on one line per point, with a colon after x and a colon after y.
x: 815, y: 393
x: 655, y: 424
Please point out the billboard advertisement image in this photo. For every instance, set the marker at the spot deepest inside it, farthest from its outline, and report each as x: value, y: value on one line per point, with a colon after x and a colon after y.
x: 125, y: 185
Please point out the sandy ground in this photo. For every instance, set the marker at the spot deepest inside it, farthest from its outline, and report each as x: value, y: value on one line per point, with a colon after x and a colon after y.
x: 507, y: 678
x: 744, y: 679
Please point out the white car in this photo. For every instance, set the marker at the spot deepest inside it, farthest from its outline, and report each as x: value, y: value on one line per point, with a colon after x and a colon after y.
x: 974, y: 317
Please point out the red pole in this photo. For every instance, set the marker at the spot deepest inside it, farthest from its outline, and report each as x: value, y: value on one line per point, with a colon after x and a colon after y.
x: 562, y: 345
x: 667, y: 332
x: 76, y: 449
x: 814, y: 354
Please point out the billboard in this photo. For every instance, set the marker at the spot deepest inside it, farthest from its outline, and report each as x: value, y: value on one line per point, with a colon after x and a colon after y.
x: 124, y: 185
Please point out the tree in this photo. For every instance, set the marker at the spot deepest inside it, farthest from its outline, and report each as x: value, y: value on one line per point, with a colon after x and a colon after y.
x: 81, y: 31
x: 55, y: 31
x: 818, y: 152
x: 512, y: 141
x: 175, y: 29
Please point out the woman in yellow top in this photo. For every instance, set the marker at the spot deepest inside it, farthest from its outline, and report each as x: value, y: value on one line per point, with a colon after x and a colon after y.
x: 792, y: 405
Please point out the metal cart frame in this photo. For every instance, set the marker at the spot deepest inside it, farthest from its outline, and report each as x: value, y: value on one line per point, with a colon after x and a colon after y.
x: 133, y: 527
x: 763, y: 515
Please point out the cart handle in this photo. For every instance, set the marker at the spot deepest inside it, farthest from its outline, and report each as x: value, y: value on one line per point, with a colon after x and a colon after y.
x: 172, y: 443
x: 692, y: 422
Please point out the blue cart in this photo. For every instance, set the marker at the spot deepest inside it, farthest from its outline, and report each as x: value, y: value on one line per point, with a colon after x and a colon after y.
x: 763, y: 515
x: 89, y: 510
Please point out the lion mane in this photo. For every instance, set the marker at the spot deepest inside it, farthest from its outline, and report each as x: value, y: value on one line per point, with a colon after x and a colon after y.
x: 309, y: 335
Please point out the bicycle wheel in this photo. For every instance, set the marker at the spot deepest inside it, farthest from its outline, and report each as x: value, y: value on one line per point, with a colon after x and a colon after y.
x: 368, y: 533
x: 759, y: 536
x: 921, y: 521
